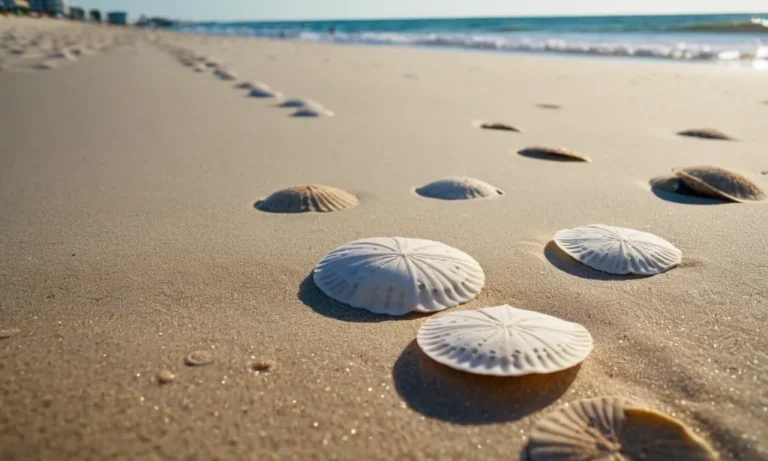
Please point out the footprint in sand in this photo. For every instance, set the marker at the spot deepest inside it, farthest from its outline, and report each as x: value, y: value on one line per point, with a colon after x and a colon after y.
x: 706, y: 133
x: 459, y: 188
x: 558, y: 154
x: 46, y: 65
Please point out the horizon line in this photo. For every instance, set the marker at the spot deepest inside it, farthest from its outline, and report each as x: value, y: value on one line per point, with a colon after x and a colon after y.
x: 417, y: 18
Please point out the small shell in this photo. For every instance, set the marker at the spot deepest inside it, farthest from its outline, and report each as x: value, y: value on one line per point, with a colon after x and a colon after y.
x: 706, y: 133
x: 396, y: 275
x: 612, y: 428
x: 504, y: 341
x: 199, y: 358
x: 618, y: 250
x: 9, y: 332
x: 166, y: 377
x: 263, y: 366
x: 500, y: 126
x: 310, y: 197
x: 718, y: 182
x: 459, y: 188
x: 562, y: 154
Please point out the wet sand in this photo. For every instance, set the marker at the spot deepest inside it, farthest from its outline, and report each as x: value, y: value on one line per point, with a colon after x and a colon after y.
x: 130, y: 240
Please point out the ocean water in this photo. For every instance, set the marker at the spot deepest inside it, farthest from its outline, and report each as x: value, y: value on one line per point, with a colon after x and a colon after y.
x: 740, y: 39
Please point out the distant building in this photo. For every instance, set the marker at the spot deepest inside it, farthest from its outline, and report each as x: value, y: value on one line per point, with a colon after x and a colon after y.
x: 119, y: 18
x: 55, y: 7
x: 14, y: 5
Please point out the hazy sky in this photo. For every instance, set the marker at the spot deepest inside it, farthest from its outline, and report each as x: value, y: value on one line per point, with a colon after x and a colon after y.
x: 245, y: 10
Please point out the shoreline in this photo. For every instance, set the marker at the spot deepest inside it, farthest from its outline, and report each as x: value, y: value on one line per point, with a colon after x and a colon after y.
x: 742, y: 63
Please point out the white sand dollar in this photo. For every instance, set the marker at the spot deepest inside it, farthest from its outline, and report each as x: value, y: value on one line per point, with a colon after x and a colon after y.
x: 615, y: 429
x: 618, y: 250
x: 396, y: 275
x: 458, y: 188
x: 504, y: 341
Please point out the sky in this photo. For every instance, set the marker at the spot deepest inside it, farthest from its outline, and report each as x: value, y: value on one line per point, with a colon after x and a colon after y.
x: 252, y: 10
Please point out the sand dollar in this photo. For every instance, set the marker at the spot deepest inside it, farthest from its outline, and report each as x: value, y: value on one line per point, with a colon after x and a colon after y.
x: 395, y: 275
x: 199, y: 358
x: 706, y: 133
x: 504, y: 341
x: 721, y: 183
x: 619, y: 250
x: 562, y: 154
x: 297, y: 102
x: 612, y: 428
x: 225, y: 74
x: 312, y: 110
x: 459, y: 188
x: 499, y: 126
x: 309, y: 197
x: 262, y: 90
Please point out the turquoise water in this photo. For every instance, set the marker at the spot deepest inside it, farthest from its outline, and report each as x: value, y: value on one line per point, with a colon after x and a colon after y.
x: 741, y: 38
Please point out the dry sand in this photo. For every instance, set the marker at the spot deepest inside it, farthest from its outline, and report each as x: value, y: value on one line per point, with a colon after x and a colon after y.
x: 129, y: 240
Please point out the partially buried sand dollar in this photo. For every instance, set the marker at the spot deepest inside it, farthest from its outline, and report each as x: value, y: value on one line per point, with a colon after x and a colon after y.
x: 504, y: 341
x: 561, y: 154
x: 718, y: 182
x: 499, y: 126
x: 307, y: 198
x: 619, y: 250
x: 706, y: 133
x: 614, y: 429
x: 459, y: 188
x: 262, y: 90
x: 199, y: 358
x: 312, y: 110
x: 396, y: 275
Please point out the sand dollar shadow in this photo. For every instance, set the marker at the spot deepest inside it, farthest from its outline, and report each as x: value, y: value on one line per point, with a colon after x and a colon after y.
x: 315, y: 299
x: 561, y: 260
x: 672, y: 189
x: 437, y: 391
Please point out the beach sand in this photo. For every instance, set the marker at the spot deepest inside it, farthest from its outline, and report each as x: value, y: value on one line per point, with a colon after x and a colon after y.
x: 129, y: 239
